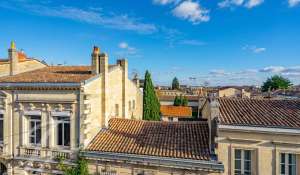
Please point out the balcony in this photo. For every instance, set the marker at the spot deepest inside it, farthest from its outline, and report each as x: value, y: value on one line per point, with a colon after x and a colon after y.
x: 46, y: 153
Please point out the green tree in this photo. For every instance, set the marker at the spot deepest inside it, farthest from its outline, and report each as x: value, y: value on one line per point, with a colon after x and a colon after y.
x: 81, y: 167
x: 180, y: 101
x: 175, y: 84
x: 276, y: 82
x: 184, y: 101
x: 151, y: 105
x: 177, y: 101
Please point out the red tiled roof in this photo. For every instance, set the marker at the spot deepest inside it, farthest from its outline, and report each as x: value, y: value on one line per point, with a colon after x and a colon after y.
x: 260, y: 112
x: 187, y: 140
x: 51, y: 74
x: 176, y: 111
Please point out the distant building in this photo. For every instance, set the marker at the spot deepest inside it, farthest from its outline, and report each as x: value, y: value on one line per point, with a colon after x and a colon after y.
x: 175, y: 113
x: 233, y: 92
x: 18, y: 62
x: 194, y: 101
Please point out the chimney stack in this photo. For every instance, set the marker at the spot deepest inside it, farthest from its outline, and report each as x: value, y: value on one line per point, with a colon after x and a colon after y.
x: 95, y: 60
x: 124, y: 65
x: 13, y: 59
x: 136, y: 80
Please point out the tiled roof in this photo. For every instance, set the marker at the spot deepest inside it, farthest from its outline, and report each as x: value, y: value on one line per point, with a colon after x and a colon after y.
x: 176, y: 111
x: 187, y: 140
x: 51, y: 74
x: 172, y: 97
x: 260, y: 112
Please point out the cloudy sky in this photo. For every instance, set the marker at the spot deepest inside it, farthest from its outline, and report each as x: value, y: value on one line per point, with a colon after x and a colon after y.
x: 220, y: 42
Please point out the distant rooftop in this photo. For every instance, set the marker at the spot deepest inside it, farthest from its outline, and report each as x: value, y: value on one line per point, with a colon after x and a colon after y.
x: 176, y: 111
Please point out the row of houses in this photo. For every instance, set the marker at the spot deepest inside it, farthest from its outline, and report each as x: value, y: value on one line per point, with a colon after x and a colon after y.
x: 52, y: 112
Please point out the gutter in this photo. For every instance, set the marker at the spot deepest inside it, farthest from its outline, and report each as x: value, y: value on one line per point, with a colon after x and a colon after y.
x: 209, y: 166
x: 287, y: 131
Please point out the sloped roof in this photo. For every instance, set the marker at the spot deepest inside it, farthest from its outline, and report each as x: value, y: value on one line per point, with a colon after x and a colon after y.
x: 260, y: 112
x: 187, y: 140
x: 176, y: 111
x: 51, y: 74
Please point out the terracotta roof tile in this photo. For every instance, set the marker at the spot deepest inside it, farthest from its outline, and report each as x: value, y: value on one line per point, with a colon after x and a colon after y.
x: 51, y: 74
x: 178, y: 111
x: 260, y: 112
x: 187, y: 140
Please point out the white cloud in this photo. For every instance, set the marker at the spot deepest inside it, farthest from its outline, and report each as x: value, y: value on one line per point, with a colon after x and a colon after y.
x: 123, y: 45
x: 229, y: 3
x: 236, y: 3
x: 191, y: 11
x: 254, y: 49
x: 126, y: 50
x: 293, y: 3
x: 272, y: 69
x: 253, y: 3
x: 165, y: 2
x: 90, y: 16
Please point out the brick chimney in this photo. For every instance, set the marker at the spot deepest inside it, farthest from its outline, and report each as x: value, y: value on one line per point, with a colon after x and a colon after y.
x: 13, y: 59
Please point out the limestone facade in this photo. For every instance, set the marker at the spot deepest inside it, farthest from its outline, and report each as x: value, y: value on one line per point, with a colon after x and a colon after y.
x: 46, y: 121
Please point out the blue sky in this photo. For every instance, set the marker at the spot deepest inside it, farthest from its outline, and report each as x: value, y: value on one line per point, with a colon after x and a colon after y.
x: 220, y: 42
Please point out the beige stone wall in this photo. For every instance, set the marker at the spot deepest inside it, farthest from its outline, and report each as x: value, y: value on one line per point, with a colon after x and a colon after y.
x: 115, y: 93
x: 135, y: 95
x: 22, y: 67
x: 130, y: 169
x: 266, y: 149
x: 229, y: 92
x: 91, y: 113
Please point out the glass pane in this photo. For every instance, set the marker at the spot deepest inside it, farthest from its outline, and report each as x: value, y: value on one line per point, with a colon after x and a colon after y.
x: 32, y: 140
x: 237, y: 154
x: 292, y: 169
x: 282, y: 158
x: 292, y: 159
x: 38, y: 132
x: 247, y: 155
x: 247, y: 173
x: 282, y: 169
x: 67, y: 134
x: 237, y: 172
x: 1, y: 130
x: 247, y: 166
x: 59, y: 134
x: 237, y: 165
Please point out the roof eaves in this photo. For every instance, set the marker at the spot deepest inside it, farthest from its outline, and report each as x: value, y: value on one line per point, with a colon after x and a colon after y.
x: 206, y: 165
x: 259, y: 129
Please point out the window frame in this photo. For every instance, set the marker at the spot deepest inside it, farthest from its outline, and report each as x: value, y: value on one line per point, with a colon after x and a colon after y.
x: 36, y: 126
x: 243, y: 161
x: 2, y: 129
x: 287, y: 163
x: 63, y: 120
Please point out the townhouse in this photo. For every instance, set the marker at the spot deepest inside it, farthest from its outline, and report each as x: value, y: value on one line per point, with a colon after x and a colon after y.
x: 255, y: 136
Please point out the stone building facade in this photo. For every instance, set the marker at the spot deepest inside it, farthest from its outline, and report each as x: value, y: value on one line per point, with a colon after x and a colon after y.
x: 50, y: 112
x: 255, y: 136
